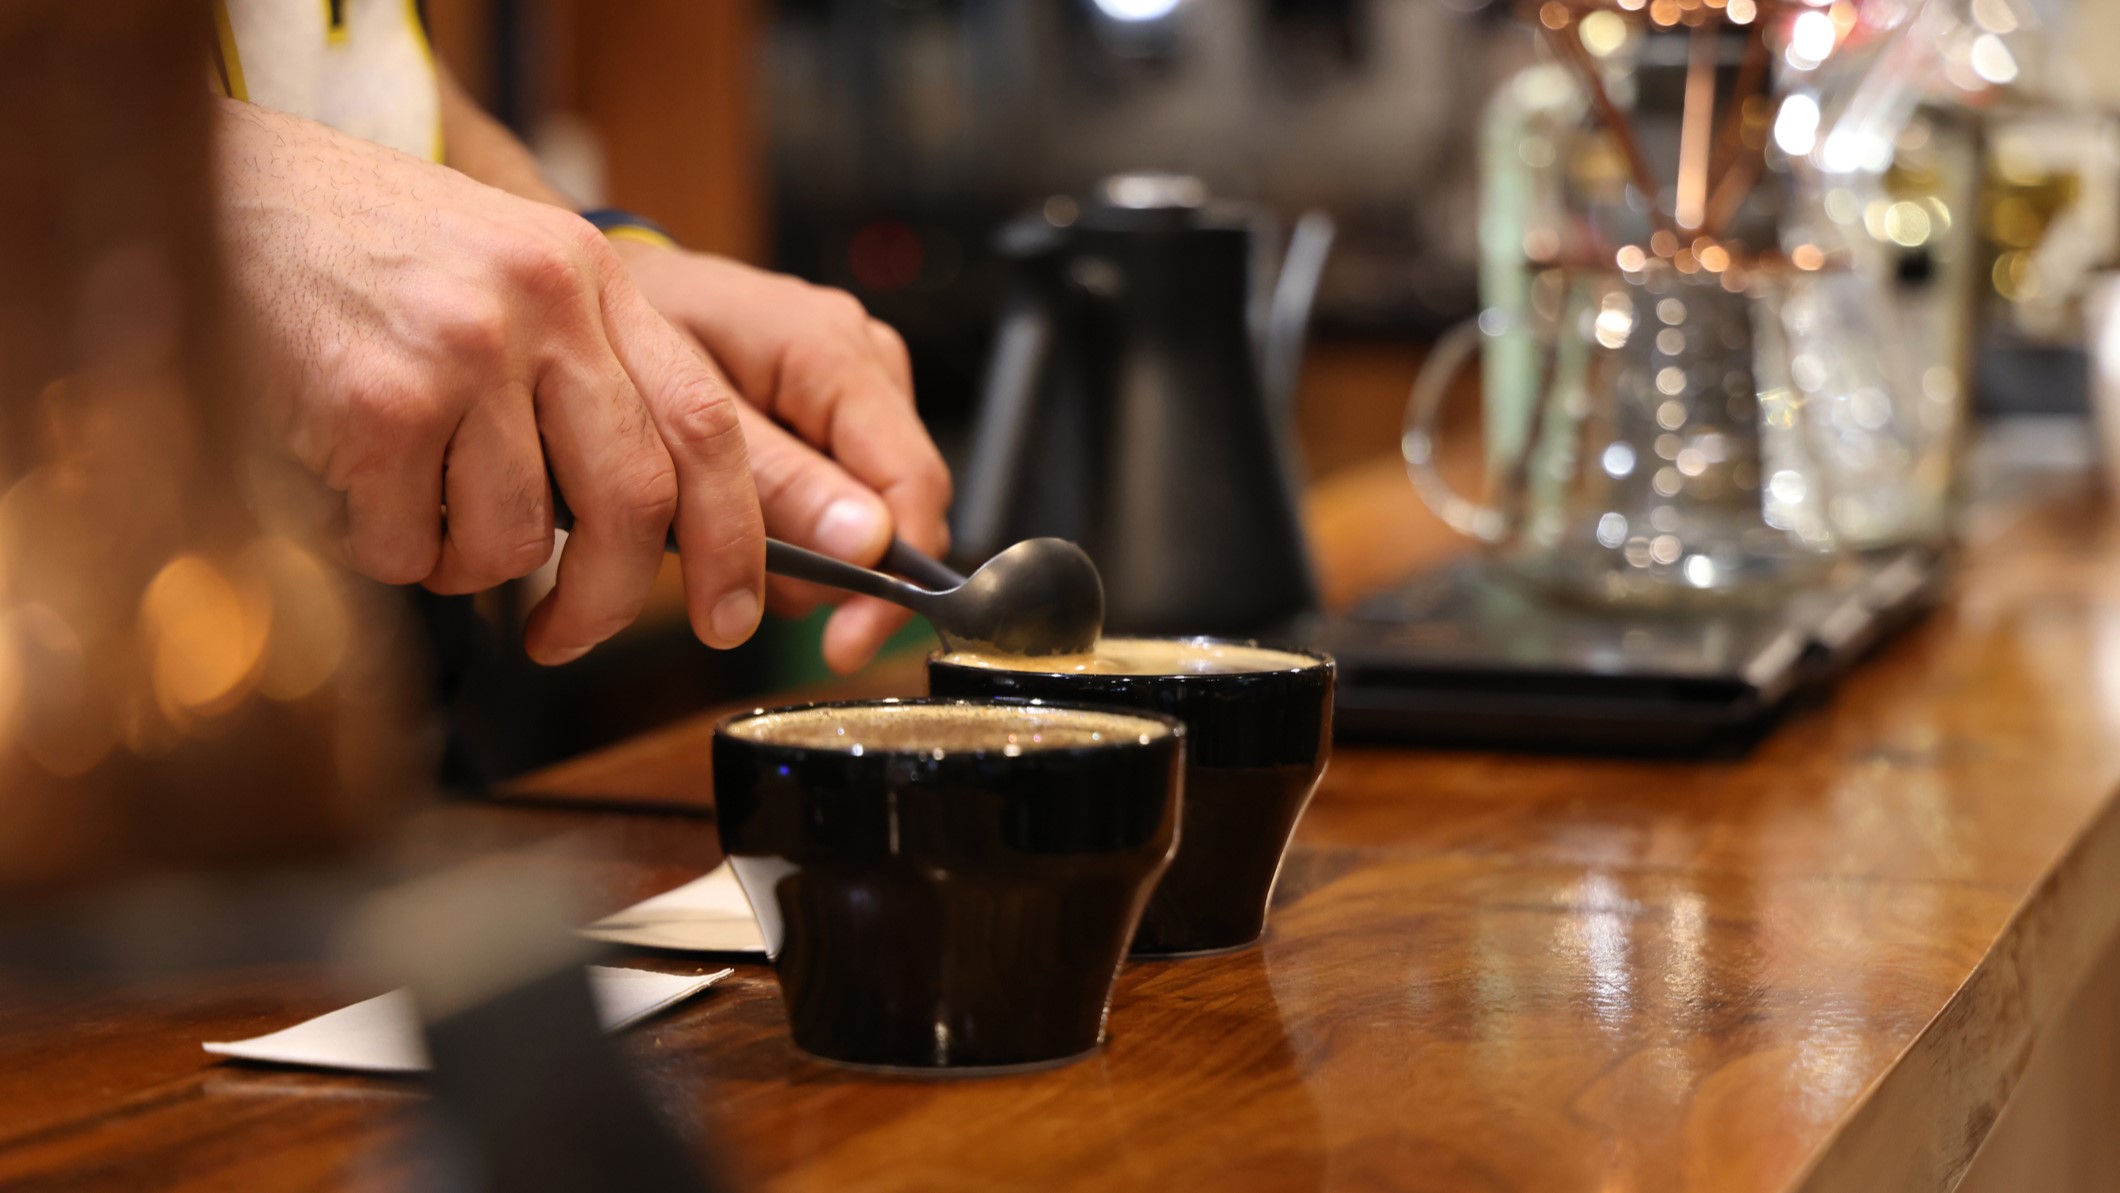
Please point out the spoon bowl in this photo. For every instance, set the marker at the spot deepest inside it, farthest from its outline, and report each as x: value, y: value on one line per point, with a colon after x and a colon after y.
x: 1041, y: 596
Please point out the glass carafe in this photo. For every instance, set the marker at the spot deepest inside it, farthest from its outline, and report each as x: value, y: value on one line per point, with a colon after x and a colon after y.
x: 1668, y: 453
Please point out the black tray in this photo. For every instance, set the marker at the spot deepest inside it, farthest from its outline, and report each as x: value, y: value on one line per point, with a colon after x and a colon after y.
x: 1460, y: 656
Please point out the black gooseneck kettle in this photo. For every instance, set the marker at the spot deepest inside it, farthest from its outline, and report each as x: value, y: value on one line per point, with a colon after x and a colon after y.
x: 1138, y: 402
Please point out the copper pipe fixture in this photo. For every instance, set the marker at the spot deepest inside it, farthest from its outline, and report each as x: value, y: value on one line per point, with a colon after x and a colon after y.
x: 1690, y: 197
x: 1566, y: 37
x: 1717, y: 168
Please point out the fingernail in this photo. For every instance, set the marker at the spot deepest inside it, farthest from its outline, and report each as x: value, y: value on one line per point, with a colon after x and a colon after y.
x: 850, y: 528
x: 735, y: 616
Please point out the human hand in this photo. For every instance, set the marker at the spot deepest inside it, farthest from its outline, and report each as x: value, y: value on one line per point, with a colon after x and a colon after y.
x: 431, y: 341
x: 834, y: 425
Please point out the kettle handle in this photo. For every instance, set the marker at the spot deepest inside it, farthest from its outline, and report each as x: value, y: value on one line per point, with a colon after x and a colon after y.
x: 1021, y: 348
x: 1287, y: 323
x: 1453, y: 350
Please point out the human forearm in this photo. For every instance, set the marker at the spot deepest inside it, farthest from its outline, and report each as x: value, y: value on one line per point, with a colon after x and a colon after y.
x: 476, y: 144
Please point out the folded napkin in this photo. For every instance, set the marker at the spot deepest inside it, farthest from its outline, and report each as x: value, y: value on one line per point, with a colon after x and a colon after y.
x: 706, y: 915
x: 382, y: 1035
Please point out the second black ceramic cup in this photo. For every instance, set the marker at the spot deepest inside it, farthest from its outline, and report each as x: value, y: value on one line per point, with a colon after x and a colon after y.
x: 1257, y: 741
x: 947, y: 886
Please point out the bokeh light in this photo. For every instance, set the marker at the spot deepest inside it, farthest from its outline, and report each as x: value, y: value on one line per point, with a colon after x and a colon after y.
x: 310, y: 622
x: 205, y: 637
x: 1137, y: 10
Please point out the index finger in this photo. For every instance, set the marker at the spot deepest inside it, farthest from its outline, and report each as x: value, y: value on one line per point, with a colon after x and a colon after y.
x: 619, y: 481
x: 720, y: 530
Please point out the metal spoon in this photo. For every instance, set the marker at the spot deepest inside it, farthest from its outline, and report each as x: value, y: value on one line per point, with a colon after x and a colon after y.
x: 1042, y: 596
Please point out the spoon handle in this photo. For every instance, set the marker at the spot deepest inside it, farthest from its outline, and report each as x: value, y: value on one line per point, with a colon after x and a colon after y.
x: 904, y: 559
x: 800, y: 563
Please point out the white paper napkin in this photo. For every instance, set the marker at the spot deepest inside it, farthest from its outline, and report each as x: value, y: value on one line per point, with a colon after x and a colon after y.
x: 706, y: 915
x: 382, y: 1035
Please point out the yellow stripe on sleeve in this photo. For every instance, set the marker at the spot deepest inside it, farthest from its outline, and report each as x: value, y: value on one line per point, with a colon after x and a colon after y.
x: 231, y: 62
x: 419, y: 37
x: 638, y: 234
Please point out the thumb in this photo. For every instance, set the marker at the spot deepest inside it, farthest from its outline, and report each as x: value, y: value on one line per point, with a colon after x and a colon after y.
x: 810, y: 501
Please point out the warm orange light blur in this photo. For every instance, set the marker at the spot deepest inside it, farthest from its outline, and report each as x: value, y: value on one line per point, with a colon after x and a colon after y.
x: 10, y: 680
x: 308, y: 617
x: 205, y: 635
x: 63, y: 725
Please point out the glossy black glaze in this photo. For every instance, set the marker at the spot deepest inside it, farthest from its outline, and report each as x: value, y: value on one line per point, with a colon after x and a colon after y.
x: 969, y: 911
x: 1125, y: 411
x: 1256, y: 745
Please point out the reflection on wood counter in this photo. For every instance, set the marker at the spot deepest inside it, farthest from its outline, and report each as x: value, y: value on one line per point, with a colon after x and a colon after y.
x: 1823, y: 967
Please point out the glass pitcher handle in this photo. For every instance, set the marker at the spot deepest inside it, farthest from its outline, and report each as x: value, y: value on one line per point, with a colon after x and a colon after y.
x: 1453, y: 350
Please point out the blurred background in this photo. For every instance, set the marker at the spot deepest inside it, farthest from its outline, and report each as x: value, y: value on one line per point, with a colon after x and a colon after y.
x: 878, y: 145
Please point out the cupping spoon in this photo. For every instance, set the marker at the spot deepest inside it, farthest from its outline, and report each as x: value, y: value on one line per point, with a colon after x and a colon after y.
x: 1042, y: 596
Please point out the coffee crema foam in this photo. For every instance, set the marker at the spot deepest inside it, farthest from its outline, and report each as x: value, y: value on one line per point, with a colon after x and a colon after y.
x: 1144, y: 656
x: 944, y: 728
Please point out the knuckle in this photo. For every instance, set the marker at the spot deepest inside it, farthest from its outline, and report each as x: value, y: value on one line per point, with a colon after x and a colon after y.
x: 542, y: 267
x: 585, y: 249
x: 703, y: 416
x: 642, y: 496
x: 473, y: 327
x: 888, y: 338
x: 391, y: 414
x: 584, y: 238
x: 839, y: 307
x: 774, y: 481
x: 788, y: 496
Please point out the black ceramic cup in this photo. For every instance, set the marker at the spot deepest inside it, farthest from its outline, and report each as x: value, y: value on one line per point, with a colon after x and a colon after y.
x: 944, y: 886
x: 1257, y: 741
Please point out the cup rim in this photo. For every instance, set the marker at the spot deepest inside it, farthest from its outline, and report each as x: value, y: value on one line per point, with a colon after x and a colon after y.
x: 1173, y: 727
x: 1319, y: 660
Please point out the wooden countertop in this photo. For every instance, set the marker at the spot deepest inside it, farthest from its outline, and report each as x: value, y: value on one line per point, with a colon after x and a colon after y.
x: 1821, y: 967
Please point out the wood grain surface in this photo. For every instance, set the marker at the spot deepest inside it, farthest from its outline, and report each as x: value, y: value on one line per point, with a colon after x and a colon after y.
x: 1822, y: 967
